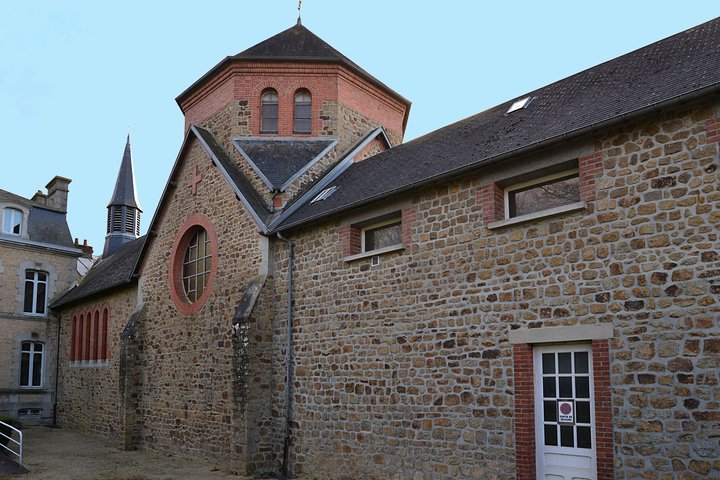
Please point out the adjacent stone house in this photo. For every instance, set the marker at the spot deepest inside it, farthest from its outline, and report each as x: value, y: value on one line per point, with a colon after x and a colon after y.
x: 530, y: 292
x: 38, y: 260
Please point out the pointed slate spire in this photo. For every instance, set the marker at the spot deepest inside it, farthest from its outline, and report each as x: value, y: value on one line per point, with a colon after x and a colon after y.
x: 123, y: 221
x: 124, y: 193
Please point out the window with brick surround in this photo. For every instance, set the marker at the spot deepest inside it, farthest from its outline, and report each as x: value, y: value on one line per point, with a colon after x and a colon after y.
x: 193, y: 264
x: 378, y: 235
x: 196, y: 265
x: 542, y: 193
x: 302, y: 114
x: 561, y: 188
x: 381, y: 235
x: 269, y: 112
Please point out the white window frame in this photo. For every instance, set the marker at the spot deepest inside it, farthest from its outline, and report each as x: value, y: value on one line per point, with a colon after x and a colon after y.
x: 5, y: 227
x: 397, y: 219
x: 35, y: 282
x: 31, y: 363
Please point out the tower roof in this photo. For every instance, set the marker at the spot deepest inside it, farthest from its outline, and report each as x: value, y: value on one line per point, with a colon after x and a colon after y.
x: 296, y: 44
x: 124, y: 193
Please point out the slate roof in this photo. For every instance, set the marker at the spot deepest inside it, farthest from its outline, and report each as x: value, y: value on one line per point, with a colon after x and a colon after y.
x: 297, y: 44
x: 45, y: 225
x: 236, y: 176
x: 124, y: 193
x: 107, y: 274
x: 278, y: 161
x: 675, y: 68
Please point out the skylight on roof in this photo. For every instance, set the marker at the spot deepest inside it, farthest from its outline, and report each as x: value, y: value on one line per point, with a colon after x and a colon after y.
x: 519, y: 104
x: 324, y: 194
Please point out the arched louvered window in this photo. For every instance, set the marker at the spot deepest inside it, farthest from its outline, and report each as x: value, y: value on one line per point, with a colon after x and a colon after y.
x: 302, y: 120
x: 269, y: 112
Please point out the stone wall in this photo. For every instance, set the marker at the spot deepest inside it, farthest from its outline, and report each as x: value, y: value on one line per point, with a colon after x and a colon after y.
x: 89, y: 396
x: 19, y: 327
x: 404, y: 369
x: 191, y: 400
x: 338, y: 121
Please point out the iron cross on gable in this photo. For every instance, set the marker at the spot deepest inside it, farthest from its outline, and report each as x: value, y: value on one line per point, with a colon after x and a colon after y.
x: 195, y: 178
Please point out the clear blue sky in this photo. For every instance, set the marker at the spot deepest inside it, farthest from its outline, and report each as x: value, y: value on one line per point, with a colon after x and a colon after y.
x: 75, y: 75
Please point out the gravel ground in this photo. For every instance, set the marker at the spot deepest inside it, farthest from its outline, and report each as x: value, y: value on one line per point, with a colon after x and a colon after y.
x: 59, y: 454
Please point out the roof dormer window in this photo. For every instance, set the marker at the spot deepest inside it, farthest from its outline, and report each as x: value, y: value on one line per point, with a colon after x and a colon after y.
x: 12, y: 221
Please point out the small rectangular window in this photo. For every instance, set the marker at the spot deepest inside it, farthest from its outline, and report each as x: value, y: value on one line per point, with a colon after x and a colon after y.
x: 542, y: 193
x: 386, y: 234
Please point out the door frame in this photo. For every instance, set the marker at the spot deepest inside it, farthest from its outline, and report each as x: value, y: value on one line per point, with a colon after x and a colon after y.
x: 538, y: 350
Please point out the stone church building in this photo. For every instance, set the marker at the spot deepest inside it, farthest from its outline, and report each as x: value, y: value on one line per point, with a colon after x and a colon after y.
x: 531, y: 292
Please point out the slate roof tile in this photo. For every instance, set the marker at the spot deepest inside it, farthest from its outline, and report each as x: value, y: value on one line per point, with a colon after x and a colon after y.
x: 669, y: 69
x: 45, y: 225
x: 278, y: 160
x: 107, y: 274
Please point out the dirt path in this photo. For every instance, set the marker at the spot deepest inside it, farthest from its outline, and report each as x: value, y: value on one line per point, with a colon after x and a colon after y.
x: 59, y: 454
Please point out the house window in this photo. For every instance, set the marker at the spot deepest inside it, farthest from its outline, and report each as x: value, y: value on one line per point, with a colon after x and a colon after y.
x: 35, y: 292
x: 544, y: 193
x: 12, y: 221
x: 196, y: 265
x: 302, y: 116
x: 31, y: 364
x: 382, y: 235
x: 269, y: 112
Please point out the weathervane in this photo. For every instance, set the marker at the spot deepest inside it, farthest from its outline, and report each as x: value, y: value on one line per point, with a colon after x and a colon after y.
x: 299, y: 10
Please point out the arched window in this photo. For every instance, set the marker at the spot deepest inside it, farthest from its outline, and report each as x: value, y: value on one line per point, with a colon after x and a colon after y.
x: 104, y: 336
x: 303, y: 113
x: 95, y: 341
x: 86, y: 328
x: 79, y: 337
x: 269, y: 112
x: 73, y: 337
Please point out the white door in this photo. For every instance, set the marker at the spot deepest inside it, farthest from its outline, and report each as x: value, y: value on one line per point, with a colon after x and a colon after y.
x: 564, y: 413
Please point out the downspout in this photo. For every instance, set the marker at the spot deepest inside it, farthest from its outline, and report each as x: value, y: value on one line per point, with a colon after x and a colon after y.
x: 288, y: 359
x: 57, y: 372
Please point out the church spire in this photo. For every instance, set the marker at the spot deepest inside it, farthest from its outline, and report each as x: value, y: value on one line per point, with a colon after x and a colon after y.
x: 123, y: 221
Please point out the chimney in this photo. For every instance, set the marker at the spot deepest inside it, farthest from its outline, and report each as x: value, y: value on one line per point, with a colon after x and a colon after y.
x: 57, y: 195
x: 40, y: 198
x: 86, y: 249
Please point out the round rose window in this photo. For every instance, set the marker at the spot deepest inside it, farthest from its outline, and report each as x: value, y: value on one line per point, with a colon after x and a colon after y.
x: 193, y: 263
x: 196, y: 265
